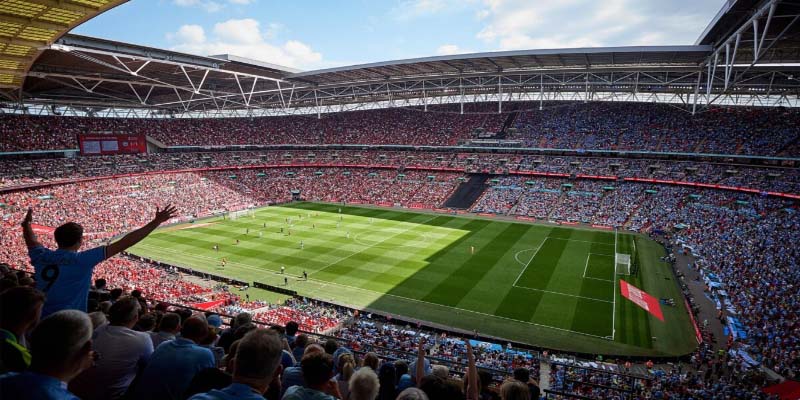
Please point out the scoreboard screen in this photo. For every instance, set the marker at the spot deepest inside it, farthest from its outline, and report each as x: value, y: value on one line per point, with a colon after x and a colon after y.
x: 112, y: 144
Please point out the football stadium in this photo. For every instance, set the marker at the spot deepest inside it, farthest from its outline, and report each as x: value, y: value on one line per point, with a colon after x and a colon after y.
x: 225, y: 218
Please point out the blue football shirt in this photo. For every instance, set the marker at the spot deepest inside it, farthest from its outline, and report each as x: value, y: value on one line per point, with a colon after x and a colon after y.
x: 65, y: 276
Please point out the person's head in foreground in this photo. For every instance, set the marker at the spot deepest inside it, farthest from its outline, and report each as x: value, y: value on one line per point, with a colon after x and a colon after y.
x: 257, y: 359
x: 61, y: 347
x: 514, y: 390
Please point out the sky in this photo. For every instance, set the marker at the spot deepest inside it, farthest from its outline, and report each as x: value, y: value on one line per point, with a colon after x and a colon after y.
x: 315, y: 34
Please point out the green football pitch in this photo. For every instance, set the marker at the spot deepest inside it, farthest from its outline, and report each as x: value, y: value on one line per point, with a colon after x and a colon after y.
x: 544, y: 285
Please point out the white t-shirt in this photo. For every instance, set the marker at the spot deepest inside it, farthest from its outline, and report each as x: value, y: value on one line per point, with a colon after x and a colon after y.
x: 122, y: 351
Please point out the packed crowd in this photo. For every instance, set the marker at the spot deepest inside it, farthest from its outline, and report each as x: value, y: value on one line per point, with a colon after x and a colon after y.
x: 382, y: 334
x: 591, y: 126
x: 660, y: 127
x: 20, y: 172
x: 309, y: 315
x: 442, y: 125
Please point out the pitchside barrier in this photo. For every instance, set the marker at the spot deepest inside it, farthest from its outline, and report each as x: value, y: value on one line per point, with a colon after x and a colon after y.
x: 275, y: 289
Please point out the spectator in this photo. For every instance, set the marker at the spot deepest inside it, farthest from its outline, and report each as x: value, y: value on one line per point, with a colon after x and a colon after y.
x: 515, y: 390
x: 371, y: 360
x: 437, y: 387
x: 213, y: 378
x: 299, y: 346
x: 175, y: 363
x: 412, y: 393
x: 169, y: 327
x: 65, y: 274
x: 293, y: 376
x: 256, y: 365
x: 20, y: 310
x: 61, y: 347
x: 485, y: 378
x: 331, y: 346
x: 227, y: 336
x: 364, y: 385
x: 403, y: 376
x: 98, y: 319
x: 523, y: 375
x: 123, y: 353
x: 346, y: 368
x: 291, y: 331
x: 387, y: 379
x: 209, y: 341
x: 317, y: 370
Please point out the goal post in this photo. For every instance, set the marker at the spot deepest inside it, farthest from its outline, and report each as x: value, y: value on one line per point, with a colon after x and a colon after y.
x: 239, y: 214
x: 623, y: 263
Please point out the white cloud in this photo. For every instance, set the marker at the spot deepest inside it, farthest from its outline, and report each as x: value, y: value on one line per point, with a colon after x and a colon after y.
x: 242, y: 2
x: 450, y: 49
x: 245, y: 38
x: 522, y: 24
x: 245, y: 31
x: 190, y: 34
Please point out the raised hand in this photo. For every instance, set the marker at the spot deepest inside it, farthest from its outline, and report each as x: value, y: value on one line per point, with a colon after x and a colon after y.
x: 28, y: 217
x: 165, y: 214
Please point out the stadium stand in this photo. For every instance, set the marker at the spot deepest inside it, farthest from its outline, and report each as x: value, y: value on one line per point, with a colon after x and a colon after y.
x: 584, y: 126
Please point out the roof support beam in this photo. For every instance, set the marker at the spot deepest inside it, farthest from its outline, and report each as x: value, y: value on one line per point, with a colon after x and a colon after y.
x: 696, y: 91
x: 33, y: 22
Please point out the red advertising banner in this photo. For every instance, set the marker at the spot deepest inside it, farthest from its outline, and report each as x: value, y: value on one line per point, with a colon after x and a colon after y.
x: 641, y: 299
x: 606, y: 227
x: 112, y: 144
x: 208, y: 305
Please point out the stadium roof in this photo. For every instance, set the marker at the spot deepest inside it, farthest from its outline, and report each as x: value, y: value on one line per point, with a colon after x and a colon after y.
x: 28, y: 25
x: 749, y: 55
x: 513, y: 61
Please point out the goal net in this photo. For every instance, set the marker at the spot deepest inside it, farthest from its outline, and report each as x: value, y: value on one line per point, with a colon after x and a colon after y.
x: 623, y: 263
x: 239, y: 214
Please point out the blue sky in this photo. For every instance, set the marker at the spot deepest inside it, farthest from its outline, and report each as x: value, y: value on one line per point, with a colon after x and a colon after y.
x: 316, y: 34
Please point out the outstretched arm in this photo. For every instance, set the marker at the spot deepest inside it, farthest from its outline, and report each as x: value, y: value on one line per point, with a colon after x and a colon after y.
x: 420, y: 371
x: 472, y: 374
x: 27, y: 232
x: 162, y: 215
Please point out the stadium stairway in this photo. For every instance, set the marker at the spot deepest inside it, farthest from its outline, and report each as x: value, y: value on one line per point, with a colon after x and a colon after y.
x: 509, y: 122
x: 467, y: 192
x: 544, y: 376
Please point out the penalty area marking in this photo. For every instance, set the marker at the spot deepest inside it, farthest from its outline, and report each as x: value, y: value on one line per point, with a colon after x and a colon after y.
x: 585, y: 268
x: 525, y: 268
